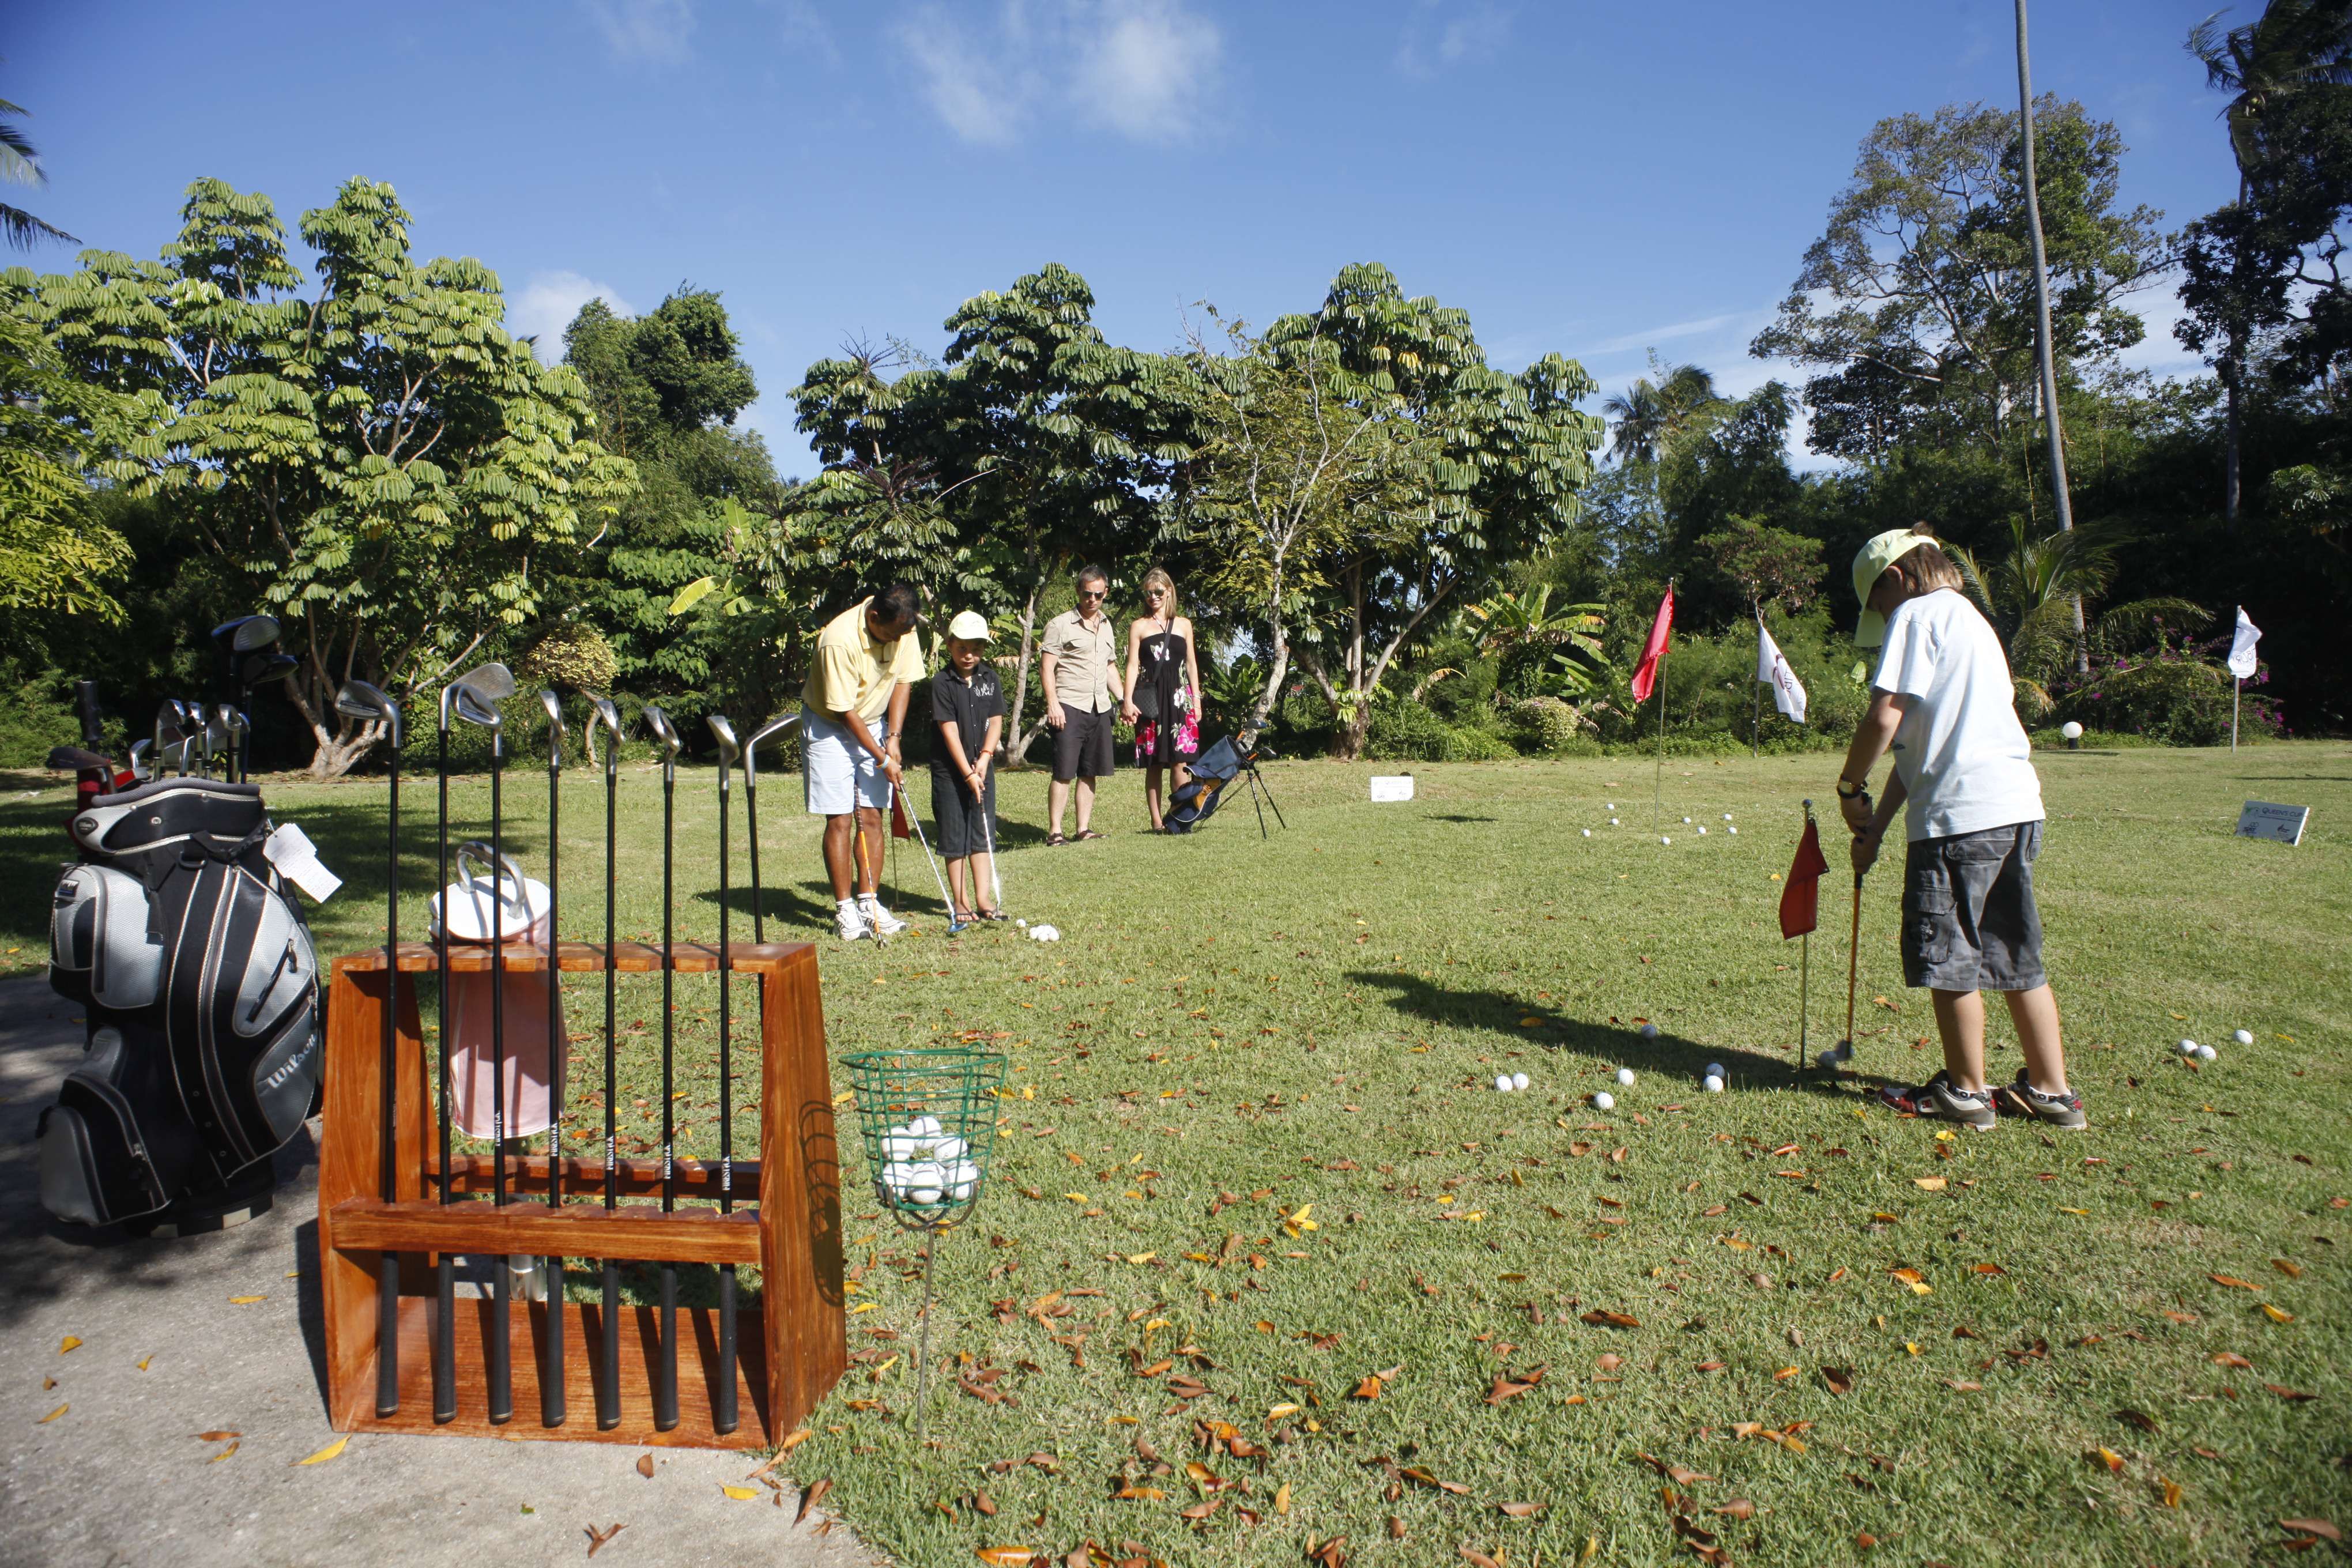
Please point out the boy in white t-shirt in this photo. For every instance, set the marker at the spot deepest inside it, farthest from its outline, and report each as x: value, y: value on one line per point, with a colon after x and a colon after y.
x: 1942, y: 701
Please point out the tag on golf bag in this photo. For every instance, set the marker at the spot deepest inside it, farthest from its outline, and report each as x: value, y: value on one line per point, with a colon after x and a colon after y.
x: 297, y: 859
x: 201, y: 994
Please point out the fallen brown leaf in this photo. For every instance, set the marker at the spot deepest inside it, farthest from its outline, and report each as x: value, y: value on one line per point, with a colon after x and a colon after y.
x: 217, y: 1437
x: 1738, y: 1508
x: 2234, y: 1280
x: 596, y: 1538
x: 645, y: 1467
x: 2291, y: 1396
x: 1839, y: 1378
x: 2139, y: 1418
x: 2318, y: 1527
x: 2230, y: 1357
x: 1010, y: 1556
x: 1520, y: 1509
x: 812, y: 1497
x: 1611, y: 1319
x: 1477, y: 1558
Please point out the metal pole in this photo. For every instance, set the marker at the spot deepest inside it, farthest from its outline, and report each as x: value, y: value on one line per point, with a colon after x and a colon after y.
x: 2237, y: 689
x: 923, y: 1345
x: 1658, y: 786
x: 608, y: 1386
x: 550, y: 1377
x: 2049, y: 361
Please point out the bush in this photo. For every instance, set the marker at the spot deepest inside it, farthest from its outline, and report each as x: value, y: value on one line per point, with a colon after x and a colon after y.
x: 34, y: 717
x: 1405, y: 732
x: 2169, y: 698
x: 1546, y: 726
x: 1712, y: 694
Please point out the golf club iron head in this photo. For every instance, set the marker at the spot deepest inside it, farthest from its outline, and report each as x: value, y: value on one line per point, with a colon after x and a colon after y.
x: 773, y: 727
x: 487, y: 684
x: 360, y: 700
x: 139, y: 750
x: 665, y: 735
x: 264, y: 668
x: 730, y: 749
x: 553, y: 704
x: 607, y: 717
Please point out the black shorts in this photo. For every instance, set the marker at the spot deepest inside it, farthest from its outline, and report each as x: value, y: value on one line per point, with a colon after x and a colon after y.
x: 966, y: 825
x: 1082, y: 746
x: 1969, y: 918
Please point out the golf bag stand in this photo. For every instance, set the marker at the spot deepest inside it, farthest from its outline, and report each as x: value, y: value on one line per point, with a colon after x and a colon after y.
x: 1215, y: 769
x: 200, y: 984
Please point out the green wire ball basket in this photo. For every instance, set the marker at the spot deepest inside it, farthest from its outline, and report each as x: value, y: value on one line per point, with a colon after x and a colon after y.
x: 927, y: 1120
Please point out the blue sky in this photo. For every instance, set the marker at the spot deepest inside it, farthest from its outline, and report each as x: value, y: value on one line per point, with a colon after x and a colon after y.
x: 1595, y: 180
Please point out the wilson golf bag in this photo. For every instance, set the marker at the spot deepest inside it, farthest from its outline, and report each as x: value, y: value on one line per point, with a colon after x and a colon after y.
x: 201, y: 988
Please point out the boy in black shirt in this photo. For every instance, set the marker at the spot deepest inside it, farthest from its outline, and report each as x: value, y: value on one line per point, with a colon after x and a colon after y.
x: 967, y: 706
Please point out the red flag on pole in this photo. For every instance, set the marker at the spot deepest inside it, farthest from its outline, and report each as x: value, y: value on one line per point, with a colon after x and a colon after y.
x: 1801, y: 898
x: 898, y: 828
x: 1645, y: 675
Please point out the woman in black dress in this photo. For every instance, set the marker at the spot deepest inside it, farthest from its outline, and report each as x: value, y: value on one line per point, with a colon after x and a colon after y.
x: 1163, y: 690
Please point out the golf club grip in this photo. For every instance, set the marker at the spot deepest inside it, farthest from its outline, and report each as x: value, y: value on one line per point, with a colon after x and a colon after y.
x: 665, y: 1367
x: 722, y: 1396
x: 93, y: 734
x: 608, y: 1386
x: 444, y: 1341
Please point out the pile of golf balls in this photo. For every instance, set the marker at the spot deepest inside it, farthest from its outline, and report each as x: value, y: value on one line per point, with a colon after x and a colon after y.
x: 1624, y: 1078
x: 1714, y: 1081
x: 1045, y: 933
x: 2202, y: 1053
x: 1505, y: 1082
x: 923, y: 1165
x: 1604, y: 1101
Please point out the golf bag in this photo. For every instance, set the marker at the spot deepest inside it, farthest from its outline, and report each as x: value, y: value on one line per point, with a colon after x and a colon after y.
x: 201, y: 987
x: 1211, y: 771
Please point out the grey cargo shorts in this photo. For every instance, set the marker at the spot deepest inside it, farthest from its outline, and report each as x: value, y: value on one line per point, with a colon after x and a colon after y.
x: 1969, y: 919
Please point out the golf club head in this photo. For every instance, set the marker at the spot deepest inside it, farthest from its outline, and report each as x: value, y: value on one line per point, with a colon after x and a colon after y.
x: 264, y: 668
x: 360, y: 700
x: 608, y: 718
x: 247, y: 634
x: 773, y: 727
x: 729, y: 748
x: 139, y: 750
x: 76, y: 760
x: 553, y: 704
x: 489, y: 683
x: 665, y: 735
x: 472, y: 709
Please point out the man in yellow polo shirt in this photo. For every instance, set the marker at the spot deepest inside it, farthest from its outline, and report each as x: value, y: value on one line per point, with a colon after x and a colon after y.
x: 853, y: 710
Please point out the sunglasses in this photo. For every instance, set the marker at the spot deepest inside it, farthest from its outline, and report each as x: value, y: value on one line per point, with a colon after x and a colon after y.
x: 1155, y: 593
x: 1093, y: 593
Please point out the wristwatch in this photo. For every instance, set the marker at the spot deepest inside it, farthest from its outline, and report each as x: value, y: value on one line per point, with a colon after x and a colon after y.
x: 1848, y: 790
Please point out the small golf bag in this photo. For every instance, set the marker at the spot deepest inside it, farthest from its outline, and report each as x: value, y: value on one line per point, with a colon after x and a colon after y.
x: 1211, y: 771
x: 201, y: 988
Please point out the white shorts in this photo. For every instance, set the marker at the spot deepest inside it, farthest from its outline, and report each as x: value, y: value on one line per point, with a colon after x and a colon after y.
x: 834, y: 768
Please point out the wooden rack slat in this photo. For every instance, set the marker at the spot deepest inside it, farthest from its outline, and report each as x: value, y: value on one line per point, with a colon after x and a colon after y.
x: 582, y: 957
x: 583, y: 1180
x: 574, y: 1230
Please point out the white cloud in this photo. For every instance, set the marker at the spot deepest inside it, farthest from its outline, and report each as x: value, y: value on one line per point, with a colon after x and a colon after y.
x: 547, y: 304
x: 651, y: 30
x: 1704, y: 324
x: 1146, y: 69
x: 1442, y: 35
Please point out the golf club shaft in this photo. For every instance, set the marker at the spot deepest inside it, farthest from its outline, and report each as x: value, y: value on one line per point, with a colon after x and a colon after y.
x: 444, y: 1321
x: 722, y: 1396
x: 1853, y: 961
x: 608, y: 1388
x: 751, y: 823
x: 665, y: 1380
x: 988, y: 836
x: 550, y: 1377
x: 937, y: 875
x: 387, y: 1263
x: 496, y: 1356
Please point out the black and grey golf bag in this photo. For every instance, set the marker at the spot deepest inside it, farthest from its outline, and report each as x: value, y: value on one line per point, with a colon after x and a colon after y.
x: 202, y: 991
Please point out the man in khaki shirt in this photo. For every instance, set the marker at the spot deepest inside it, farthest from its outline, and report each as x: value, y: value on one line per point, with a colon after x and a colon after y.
x: 1082, y: 698
x: 854, y: 707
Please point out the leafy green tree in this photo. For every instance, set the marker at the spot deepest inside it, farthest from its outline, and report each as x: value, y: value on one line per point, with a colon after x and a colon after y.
x: 55, y: 556
x: 1919, y: 298
x: 1769, y: 565
x: 20, y: 165
x: 389, y: 467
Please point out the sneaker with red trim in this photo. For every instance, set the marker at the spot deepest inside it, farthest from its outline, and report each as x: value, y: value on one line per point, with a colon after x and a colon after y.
x: 2063, y: 1112
x: 1939, y: 1098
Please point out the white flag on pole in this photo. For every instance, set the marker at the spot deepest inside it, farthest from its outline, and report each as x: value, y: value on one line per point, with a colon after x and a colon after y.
x: 2242, y: 647
x: 1788, y: 692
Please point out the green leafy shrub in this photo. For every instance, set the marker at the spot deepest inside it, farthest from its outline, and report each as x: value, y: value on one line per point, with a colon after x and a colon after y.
x: 571, y: 656
x: 34, y: 717
x: 1545, y: 726
x: 2170, y: 697
x: 1407, y: 731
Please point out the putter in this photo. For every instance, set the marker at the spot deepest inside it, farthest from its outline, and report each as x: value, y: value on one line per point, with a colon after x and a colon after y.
x: 666, y: 1374
x: 988, y: 836
x: 608, y: 1386
x: 474, y: 707
x: 550, y: 1371
x: 360, y: 700
x: 751, y: 815
x: 1842, y: 1053
x: 722, y: 1396
x: 955, y: 926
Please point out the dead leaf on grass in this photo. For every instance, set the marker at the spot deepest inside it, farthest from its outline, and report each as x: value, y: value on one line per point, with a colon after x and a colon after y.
x: 2232, y: 1279
x: 1611, y: 1319
x: 2318, y: 1527
x: 1839, y: 1378
x: 812, y: 1497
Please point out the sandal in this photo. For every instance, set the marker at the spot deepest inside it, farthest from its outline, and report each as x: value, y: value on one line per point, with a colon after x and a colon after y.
x: 993, y: 915
x: 1054, y: 838
x: 1090, y: 833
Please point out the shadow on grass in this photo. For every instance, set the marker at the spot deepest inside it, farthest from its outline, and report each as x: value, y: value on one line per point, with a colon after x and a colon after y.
x: 1457, y: 816
x: 1615, y: 1044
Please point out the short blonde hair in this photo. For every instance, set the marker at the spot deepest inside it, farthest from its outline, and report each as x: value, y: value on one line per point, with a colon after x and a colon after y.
x: 1157, y: 578
x: 1924, y: 568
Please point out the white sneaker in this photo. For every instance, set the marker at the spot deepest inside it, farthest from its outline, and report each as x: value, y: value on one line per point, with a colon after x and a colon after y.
x: 849, y: 922
x: 884, y: 923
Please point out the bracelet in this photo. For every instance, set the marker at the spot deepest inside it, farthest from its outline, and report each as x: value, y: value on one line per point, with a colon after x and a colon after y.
x: 1848, y: 790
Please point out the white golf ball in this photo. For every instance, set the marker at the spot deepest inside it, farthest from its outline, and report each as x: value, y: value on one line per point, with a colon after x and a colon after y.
x: 2243, y: 1036
x: 1733, y: 831
x: 2188, y: 1047
x: 1649, y: 1031
x: 1663, y: 839
x: 1588, y: 833
x: 1612, y: 805
x: 1715, y: 1069
x: 1502, y: 1083
x: 1604, y: 1101
x: 1727, y: 817
x: 1023, y: 924
x: 1613, y: 822
x: 2206, y: 1053
x: 1712, y: 1084
x: 2071, y: 730
x: 1519, y: 1080
x: 1702, y: 830
x: 1685, y: 822
x: 1624, y: 1078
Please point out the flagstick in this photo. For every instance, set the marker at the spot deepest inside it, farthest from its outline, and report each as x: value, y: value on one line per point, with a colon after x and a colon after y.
x: 1804, y: 992
x: 2237, y: 686
x: 1658, y: 787
x: 1756, y: 722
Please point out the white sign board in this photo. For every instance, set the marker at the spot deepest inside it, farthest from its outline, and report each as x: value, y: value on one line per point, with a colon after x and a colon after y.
x: 2260, y: 819
x: 1393, y: 786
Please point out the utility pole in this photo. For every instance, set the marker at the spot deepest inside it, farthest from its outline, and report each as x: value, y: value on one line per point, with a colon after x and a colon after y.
x: 2041, y: 323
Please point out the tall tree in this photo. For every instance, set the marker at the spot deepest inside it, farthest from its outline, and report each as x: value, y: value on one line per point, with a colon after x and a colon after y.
x: 55, y: 556
x: 391, y: 468
x: 20, y: 165
x: 1918, y: 297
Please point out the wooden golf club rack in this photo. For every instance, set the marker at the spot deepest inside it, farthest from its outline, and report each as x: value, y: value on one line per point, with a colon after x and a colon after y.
x: 791, y: 1348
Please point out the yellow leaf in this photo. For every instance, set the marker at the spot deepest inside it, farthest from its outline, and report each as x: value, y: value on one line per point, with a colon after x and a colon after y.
x: 2276, y: 1315
x: 2109, y: 1458
x: 2064, y: 1210
x: 68, y: 1343
x: 143, y: 1361
x: 1475, y: 1215
x: 844, y: 1096
x: 865, y: 1307
x: 1946, y: 1136
x: 1141, y: 1256
x: 794, y: 1441
x: 223, y: 1454
x: 1279, y: 1411
x: 741, y: 1494
x: 2171, y: 1489
x: 1076, y: 1197
x: 1282, y: 1498
x: 246, y: 1300
x: 2233, y: 1279
x: 332, y: 1450
x: 1005, y: 1556
x: 1911, y: 1345
x: 53, y: 1414
x: 1928, y: 1184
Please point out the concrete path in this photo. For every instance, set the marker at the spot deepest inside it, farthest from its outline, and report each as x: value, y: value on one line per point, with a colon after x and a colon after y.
x: 120, y: 1479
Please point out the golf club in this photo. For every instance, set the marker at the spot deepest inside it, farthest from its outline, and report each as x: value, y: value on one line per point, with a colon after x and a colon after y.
x: 475, y: 707
x: 955, y: 926
x: 208, y: 736
x: 722, y: 1397
x: 550, y: 1373
x: 1842, y: 1052
x: 483, y: 683
x: 233, y: 723
x: 360, y: 700
x: 988, y: 836
x: 666, y: 1376
x: 247, y: 657
x: 751, y: 815
x: 608, y: 1386
x: 140, y: 769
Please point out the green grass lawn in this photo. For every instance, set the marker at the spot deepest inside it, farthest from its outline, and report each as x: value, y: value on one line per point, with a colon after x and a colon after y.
x: 1232, y: 1030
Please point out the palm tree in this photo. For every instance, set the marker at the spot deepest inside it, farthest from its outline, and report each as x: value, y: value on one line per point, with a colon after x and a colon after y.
x: 1649, y: 416
x: 2294, y: 47
x: 19, y: 164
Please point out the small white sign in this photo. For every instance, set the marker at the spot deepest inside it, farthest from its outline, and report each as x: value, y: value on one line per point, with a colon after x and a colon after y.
x: 297, y: 859
x: 1393, y: 786
x: 2262, y: 819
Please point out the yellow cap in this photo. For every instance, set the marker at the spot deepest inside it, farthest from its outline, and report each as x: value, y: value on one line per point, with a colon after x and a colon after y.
x: 970, y: 625
x: 1872, y: 560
